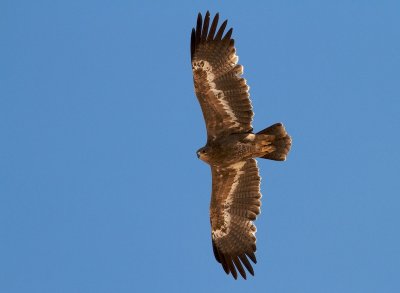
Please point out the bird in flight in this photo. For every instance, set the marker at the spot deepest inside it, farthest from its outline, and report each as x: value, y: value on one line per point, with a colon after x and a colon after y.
x: 232, y: 146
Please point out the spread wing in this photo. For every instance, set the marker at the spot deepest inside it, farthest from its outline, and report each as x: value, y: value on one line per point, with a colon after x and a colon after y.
x: 220, y: 89
x: 235, y: 203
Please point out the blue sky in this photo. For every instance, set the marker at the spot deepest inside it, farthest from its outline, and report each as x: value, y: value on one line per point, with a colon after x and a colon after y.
x: 100, y: 187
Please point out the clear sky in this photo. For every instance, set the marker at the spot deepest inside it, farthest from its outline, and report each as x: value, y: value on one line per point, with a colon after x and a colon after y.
x: 100, y: 186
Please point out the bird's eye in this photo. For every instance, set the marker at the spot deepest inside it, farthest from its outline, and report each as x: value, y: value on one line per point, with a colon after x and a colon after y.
x: 203, y: 151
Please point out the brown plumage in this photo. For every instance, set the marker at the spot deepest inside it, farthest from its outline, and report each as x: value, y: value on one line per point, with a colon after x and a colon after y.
x: 231, y: 145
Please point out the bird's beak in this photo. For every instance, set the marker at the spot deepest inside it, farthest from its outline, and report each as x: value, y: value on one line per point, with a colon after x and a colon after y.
x: 198, y: 155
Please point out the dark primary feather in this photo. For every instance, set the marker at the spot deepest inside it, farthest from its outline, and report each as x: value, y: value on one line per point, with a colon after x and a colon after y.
x: 213, y: 28
x: 198, y: 28
x: 228, y: 34
x: 221, y: 30
x: 205, y: 27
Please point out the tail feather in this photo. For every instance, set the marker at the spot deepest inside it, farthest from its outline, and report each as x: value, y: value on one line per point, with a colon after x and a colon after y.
x: 280, y: 140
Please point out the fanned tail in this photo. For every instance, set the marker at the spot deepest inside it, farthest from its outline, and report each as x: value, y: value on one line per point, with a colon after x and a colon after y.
x: 279, y: 139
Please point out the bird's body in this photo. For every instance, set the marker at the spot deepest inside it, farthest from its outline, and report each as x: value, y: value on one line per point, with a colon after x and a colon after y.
x: 231, y: 146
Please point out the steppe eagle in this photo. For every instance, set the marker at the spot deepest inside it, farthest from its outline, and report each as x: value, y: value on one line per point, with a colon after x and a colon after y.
x: 231, y: 146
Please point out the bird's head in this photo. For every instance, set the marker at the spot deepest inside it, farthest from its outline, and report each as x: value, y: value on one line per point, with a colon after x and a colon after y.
x: 203, y: 154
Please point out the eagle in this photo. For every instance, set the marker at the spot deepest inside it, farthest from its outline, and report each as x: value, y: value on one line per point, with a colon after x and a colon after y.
x: 232, y: 146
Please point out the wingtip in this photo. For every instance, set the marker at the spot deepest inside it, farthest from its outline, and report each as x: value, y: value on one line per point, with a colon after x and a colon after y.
x: 199, y: 21
x: 228, y: 34
x: 252, y: 256
x: 239, y: 267
x: 234, y: 273
x: 221, y: 30
x: 225, y: 267
x: 246, y: 263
